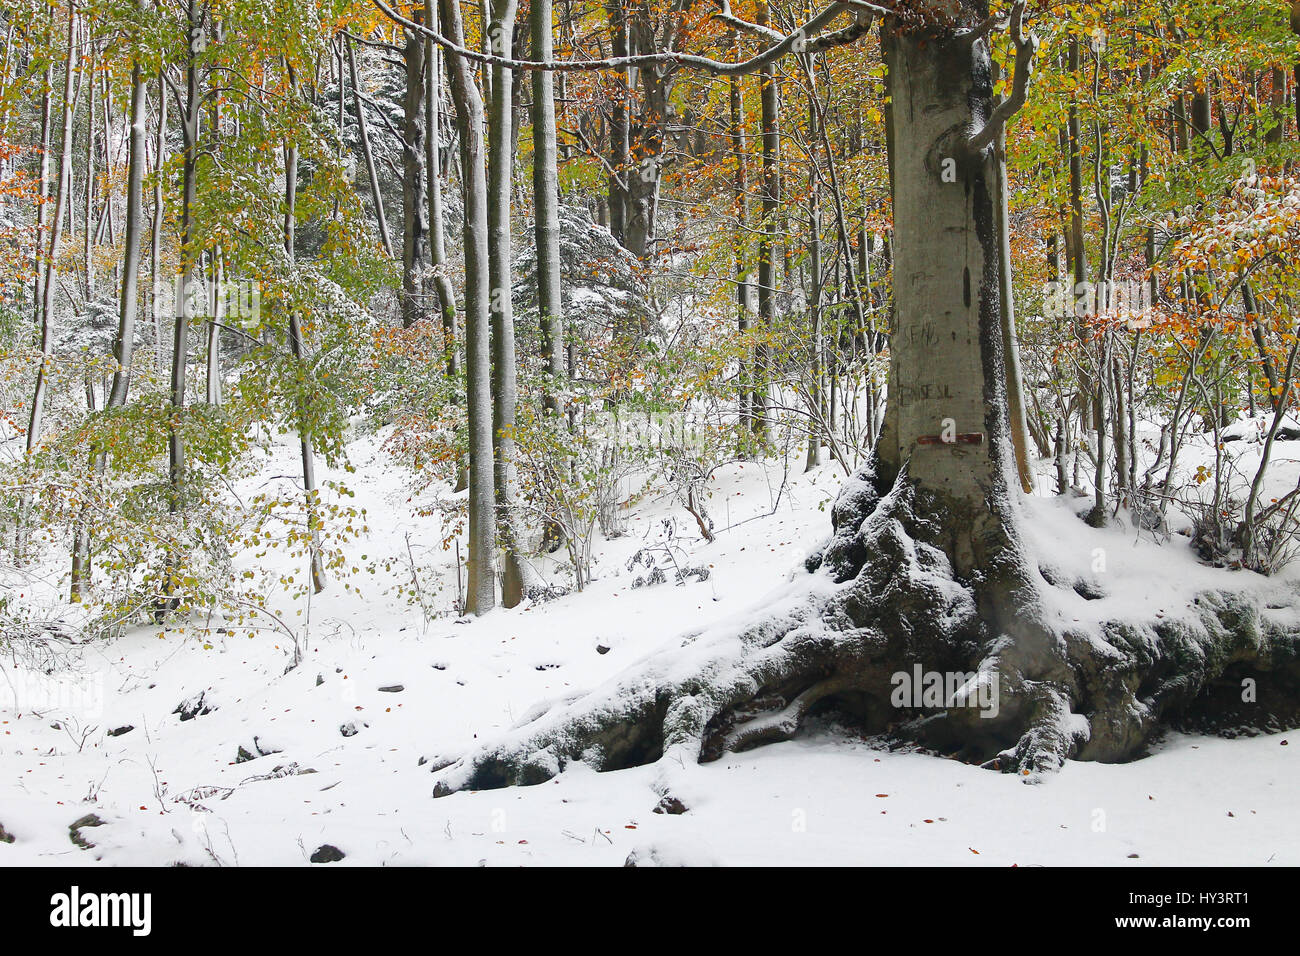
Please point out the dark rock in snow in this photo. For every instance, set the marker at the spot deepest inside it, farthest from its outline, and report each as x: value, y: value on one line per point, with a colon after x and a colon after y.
x: 671, y: 805
x: 327, y: 854
x: 349, y: 729
x: 1088, y: 590
x: 195, y: 706
x: 119, y: 731
x: 259, y: 750
x: 75, y: 828
x: 392, y: 689
x: 436, y: 763
x: 602, y: 649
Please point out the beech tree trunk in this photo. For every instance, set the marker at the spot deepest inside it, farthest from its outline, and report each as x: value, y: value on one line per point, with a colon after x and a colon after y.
x: 740, y: 242
x: 43, y: 193
x: 124, y: 340
x: 415, y: 201
x: 50, y: 272
x: 618, y: 124
x: 481, y: 562
x: 433, y: 172
x: 124, y: 344
x: 546, y: 189
x: 155, y: 234
x: 815, y: 402
x: 771, y: 121
x: 298, y: 348
x: 189, y: 271
x: 363, y: 129
x: 927, y: 564
x: 505, y: 394
x: 946, y: 358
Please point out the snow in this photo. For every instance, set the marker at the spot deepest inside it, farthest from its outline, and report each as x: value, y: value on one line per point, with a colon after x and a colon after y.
x: 170, y: 790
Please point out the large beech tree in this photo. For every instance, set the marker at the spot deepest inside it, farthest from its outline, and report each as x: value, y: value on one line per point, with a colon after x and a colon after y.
x: 927, y: 564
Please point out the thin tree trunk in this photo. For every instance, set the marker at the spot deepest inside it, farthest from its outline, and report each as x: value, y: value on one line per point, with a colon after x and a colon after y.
x: 504, y: 370
x: 481, y: 590
x: 814, y: 287
x: 740, y: 193
x: 619, y: 148
x: 155, y: 234
x: 216, y: 306
x: 363, y: 129
x: 546, y: 188
x: 415, y: 201
x: 298, y: 349
x: 216, y: 297
x: 1010, y: 341
x: 770, y: 101
x: 546, y: 229
x: 433, y: 171
x: 88, y: 195
x: 124, y: 346
x: 56, y: 236
x: 42, y: 195
x: 189, y: 269
x: 124, y: 341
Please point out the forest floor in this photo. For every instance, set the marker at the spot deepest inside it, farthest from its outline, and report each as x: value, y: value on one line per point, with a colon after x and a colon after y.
x: 336, y: 748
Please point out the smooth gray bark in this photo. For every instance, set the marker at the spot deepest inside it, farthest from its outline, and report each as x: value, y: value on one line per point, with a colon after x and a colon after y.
x: 546, y: 188
x: 43, y: 193
x: 367, y: 153
x: 415, y: 201
x: 433, y: 171
x: 189, y: 271
x: 505, y: 373
x: 947, y: 373
x: 740, y: 243
x: 816, y: 417
x: 771, y: 124
x: 1010, y: 340
x: 56, y: 237
x: 124, y: 340
x: 124, y: 345
x: 155, y: 233
x: 298, y: 348
x: 481, y: 563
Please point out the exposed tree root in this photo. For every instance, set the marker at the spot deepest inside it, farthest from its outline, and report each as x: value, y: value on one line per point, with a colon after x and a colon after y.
x: 883, y: 598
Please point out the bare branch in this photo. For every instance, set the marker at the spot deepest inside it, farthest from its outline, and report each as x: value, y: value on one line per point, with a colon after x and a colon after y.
x: 802, y: 40
x: 724, y: 15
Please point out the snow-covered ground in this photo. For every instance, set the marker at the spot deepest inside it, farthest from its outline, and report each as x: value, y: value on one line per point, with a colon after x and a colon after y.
x: 336, y: 743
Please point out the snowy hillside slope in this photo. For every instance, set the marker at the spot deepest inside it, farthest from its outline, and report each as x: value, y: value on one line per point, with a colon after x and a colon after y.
x: 329, y: 753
